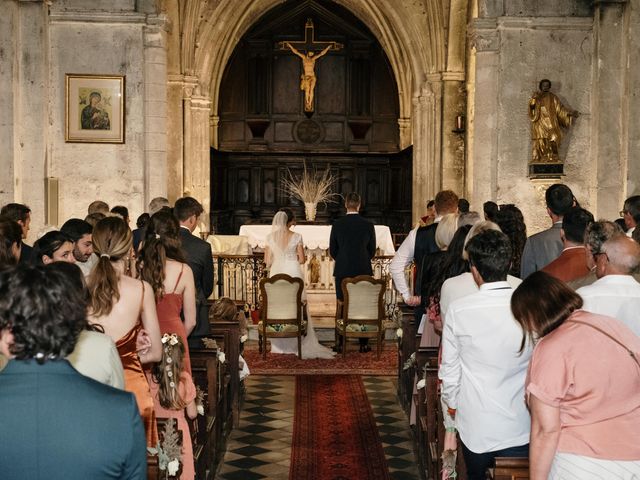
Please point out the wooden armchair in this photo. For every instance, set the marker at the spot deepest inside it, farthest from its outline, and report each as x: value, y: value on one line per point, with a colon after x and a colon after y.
x: 281, y: 314
x: 362, y: 310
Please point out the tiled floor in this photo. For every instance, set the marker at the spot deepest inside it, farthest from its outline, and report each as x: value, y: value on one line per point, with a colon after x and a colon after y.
x: 261, y: 446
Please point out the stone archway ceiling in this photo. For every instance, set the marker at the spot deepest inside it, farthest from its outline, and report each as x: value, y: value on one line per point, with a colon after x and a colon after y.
x: 411, y: 33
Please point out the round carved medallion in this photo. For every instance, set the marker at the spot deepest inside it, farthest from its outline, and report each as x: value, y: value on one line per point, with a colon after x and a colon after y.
x: 308, y: 131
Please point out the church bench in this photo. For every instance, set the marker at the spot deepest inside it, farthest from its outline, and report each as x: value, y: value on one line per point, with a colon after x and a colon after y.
x: 406, y: 347
x: 509, y: 468
x: 153, y: 467
x: 427, y: 406
x: 227, y: 335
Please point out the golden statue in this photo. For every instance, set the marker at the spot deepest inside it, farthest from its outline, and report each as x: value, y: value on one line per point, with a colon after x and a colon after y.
x: 548, y: 118
x: 314, y: 270
x: 308, y: 78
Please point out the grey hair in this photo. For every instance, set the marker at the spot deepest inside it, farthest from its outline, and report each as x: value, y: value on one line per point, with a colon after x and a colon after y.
x: 157, y: 204
x: 599, y: 232
x: 623, y: 253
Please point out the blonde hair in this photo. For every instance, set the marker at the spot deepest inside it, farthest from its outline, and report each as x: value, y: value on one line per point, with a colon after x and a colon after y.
x: 446, y: 229
x: 112, y: 241
x: 166, y: 373
x: 477, y: 228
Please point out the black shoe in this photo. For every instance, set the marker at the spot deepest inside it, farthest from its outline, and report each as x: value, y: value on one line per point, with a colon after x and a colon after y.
x: 337, y: 348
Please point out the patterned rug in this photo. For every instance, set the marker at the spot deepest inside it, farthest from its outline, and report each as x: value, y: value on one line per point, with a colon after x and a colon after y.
x: 355, y: 364
x: 334, y: 432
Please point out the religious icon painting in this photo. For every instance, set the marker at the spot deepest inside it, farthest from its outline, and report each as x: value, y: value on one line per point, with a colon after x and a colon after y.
x: 94, y: 107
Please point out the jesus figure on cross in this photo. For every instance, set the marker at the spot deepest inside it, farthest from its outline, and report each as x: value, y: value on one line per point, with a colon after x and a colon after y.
x: 308, y: 78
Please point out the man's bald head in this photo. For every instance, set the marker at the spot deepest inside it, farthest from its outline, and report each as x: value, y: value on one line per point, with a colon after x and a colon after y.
x: 623, y: 254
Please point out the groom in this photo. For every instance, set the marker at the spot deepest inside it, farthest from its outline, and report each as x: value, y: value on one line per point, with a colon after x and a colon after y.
x: 352, y: 245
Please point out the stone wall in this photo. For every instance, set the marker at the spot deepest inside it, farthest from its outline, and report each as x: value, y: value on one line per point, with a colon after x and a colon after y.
x: 80, y: 37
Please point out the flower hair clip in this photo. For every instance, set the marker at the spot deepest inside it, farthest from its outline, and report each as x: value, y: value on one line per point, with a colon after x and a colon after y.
x: 172, y: 339
x: 157, y: 236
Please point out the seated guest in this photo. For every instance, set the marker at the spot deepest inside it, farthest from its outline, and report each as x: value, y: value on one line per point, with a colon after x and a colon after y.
x: 123, y: 306
x: 80, y: 232
x: 57, y: 423
x: 22, y: 215
x: 616, y: 293
x: 98, y: 206
x: 585, y: 407
x: 10, y: 242
x: 483, y: 367
x: 631, y: 213
x: 572, y: 262
x: 52, y: 247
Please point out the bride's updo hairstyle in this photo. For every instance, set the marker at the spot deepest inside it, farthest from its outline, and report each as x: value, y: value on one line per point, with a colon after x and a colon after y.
x: 291, y: 217
x: 161, y: 242
x: 112, y: 241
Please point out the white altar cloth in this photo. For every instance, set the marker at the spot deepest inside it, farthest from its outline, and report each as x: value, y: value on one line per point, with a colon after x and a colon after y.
x: 314, y: 236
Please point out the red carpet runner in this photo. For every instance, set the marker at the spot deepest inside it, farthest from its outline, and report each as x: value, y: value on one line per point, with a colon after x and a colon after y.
x: 334, y: 433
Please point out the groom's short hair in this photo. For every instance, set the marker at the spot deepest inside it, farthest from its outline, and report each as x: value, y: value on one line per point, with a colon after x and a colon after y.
x: 352, y: 200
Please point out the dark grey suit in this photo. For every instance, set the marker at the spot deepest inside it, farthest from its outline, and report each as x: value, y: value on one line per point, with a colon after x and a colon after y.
x: 57, y: 424
x: 200, y: 260
x: 540, y: 250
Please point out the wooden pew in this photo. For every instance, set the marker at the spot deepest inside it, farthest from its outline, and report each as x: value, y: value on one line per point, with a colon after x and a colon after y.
x: 427, y: 407
x: 407, y: 346
x: 509, y: 468
x: 153, y: 467
x: 227, y: 335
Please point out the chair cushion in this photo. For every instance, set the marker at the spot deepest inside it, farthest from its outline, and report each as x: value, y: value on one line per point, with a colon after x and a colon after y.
x: 282, y: 327
x: 356, y: 327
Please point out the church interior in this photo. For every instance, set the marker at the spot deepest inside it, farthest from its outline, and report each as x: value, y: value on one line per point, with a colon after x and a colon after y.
x: 238, y: 103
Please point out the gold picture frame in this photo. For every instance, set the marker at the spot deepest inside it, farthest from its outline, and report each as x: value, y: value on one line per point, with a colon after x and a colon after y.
x: 94, y: 108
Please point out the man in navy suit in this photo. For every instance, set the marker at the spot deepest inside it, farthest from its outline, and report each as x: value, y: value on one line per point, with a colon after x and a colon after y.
x: 56, y: 423
x: 352, y: 245
x: 187, y: 210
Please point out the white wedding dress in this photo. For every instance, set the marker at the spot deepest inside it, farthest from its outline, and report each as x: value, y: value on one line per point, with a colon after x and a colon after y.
x: 286, y: 261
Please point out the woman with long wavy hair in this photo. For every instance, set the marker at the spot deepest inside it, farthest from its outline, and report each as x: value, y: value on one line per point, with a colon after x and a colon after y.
x: 123, y: 306
x: 162, y: 263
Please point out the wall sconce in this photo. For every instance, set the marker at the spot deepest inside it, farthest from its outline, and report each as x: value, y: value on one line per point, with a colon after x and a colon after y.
x: 459, y: 124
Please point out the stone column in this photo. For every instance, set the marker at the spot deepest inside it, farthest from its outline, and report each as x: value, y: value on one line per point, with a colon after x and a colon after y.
x: 197, y: 171
x: 481, y: 172
x: 453, y: 105
x: 175, y: 136
x: 155, y: 109
x: 610, y: 107
x: 427, y: 173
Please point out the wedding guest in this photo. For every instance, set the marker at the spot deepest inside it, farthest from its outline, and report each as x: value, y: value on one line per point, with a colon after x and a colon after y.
x: 630, y: 213
x: 138, y: 233
x: 585, y: 408
x: 93, y: 218
x: 511, y: 221
x: 57, y: 423
x: 490, y: 210
x: 81, y: 233
x: 22, y: 215
x: 162, y: 264
x: 158, y: 203
x: 123, y: 306
x: 123, y: 212
x: 10, y: 242
x: 52, y: 247
x: 98, y: 206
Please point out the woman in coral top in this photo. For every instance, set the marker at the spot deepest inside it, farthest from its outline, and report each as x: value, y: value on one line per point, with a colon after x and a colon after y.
x: 583, y: 386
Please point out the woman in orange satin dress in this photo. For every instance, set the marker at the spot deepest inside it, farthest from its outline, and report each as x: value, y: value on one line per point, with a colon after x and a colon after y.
x: 162, y: 264
x: 123, y: 306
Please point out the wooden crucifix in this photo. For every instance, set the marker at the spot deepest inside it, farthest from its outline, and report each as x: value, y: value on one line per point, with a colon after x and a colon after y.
x: 312, y: 50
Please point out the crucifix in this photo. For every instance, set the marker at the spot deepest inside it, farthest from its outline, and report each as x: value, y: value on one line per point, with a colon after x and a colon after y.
x: 312, y: 51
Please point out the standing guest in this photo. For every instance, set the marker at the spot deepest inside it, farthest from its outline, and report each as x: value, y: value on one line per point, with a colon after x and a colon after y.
x: 158, y: 203
x: 52, y: 247
x: 10, y: 242
x: 419, y: 242
x: 198, y: 252
x: 490, y: 210
x: 123, y: 212
x: 81, y: 233
x: 93, y: 218
x: 431, y: 213
x: 352, y: 245
x: 98, y: 206
x: 463, y: 205
x: 162, y: 263
x: 544, y: 247
x: 138, y: 233
x: 22, y: 215
x: 510, y: 220
x: 175, y: 394
x: 572, y: 262
x: 631, y: 213
x: 616, y: 293
x: 123, y: 306
x: 636, y: 235
x: 483, y: 367
x: 57, y: 423
x: 585, y: 408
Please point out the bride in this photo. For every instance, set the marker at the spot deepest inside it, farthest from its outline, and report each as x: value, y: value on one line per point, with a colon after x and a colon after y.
x: 284, y: 253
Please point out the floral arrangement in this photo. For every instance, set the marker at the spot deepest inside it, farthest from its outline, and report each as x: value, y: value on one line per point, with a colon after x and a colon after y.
x: 199, y: 400
x: 312, y: 187
x: 169, y: 450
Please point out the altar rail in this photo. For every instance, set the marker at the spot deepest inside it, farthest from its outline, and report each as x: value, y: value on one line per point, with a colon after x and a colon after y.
x: 238, y: 277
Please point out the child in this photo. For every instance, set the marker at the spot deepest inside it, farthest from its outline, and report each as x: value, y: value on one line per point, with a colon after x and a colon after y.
x: 173, y: 391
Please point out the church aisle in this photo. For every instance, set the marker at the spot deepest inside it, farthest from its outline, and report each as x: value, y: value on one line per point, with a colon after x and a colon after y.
x: 261, y: 446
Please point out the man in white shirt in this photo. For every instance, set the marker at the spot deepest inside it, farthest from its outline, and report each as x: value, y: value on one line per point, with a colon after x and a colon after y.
x: 631, y: 213
x: 483, y: 370
x: 616, y: 293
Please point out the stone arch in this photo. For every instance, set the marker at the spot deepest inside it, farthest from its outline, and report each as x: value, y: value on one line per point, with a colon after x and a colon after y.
x: 412, y: 34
